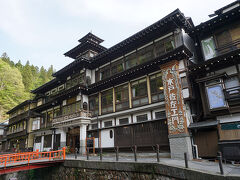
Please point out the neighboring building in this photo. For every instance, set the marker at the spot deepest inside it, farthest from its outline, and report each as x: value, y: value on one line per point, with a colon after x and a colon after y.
x: 3, y: 136
x: 18, y: 131
x: 217, y: 124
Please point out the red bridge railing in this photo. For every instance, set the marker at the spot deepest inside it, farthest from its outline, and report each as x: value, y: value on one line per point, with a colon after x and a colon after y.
x: 27, y: 157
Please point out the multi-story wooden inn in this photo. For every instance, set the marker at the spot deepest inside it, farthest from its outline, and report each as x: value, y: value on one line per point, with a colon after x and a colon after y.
x: 159, y: 86
x: 134, y: 93
x: 217, y: 125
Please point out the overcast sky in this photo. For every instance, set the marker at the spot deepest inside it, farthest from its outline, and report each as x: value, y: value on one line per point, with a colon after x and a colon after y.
x: 41, y: 31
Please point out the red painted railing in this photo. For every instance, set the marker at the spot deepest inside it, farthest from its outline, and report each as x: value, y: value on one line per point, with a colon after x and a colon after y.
x: 27, y: 157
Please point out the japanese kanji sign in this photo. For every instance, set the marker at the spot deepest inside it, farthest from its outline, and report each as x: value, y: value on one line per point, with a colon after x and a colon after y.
x: 175, y: 108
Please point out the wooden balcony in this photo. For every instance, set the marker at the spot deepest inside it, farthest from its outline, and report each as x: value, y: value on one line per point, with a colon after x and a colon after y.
x: 228, y: 47
x: 16, y: 133
x: 19, y: 117
x: 232, y: 95
x: 75, y: 118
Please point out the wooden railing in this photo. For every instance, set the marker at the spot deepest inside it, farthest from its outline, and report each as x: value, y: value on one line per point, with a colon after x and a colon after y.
x: 27, y: 157
x: 232, y: 93
x: 80, y: 113
x: 228, y: 47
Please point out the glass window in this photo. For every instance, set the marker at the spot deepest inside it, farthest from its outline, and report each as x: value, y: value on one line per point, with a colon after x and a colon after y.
x: 57, y: 112
x: 108, y: 124
x: 105, y: 72
x: 142, y: 118
x: 111, y: 134
x: 47, y: 141
x: 156, y: 86
x: 232, y: 86
x: 160, y: 115
x: 139, y: 92
x: 49, y: 116
x: 94, y: 104
x: 117, y: 67
x: 131, y: 60
x: 122, y: 99
x: 165, y: 45
x: 208, y: 47
x: 95, y: 126
x: 145, y: 54
x: 184, y: 82
x: 123, y: 121
x: 107, y: 101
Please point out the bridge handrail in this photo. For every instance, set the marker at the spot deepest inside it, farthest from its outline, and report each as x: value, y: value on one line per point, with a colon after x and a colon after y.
x: 28, y: 156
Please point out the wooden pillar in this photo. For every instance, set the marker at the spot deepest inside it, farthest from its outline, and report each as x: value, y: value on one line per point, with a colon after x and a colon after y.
x: 114, y: 100
x: 99, y: 104
x: 149, y: 90
x: 130, y: 94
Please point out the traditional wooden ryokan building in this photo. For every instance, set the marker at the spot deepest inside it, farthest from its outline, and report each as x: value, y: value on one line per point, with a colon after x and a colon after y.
x: 159, y: 86
x: 216, y: 77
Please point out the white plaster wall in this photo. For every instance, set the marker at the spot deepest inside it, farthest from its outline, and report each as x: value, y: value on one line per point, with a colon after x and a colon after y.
x: 121, y: 117
x: 229, y: 118
x: 230, y: 70
x: 106, y: 141
x: 93, y: 76
x: 85, y: 98
x: 147, y: 112
x: 88, y: 73
x: 1, y: 131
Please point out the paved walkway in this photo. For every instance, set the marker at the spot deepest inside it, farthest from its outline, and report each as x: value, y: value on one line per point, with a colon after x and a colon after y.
x: 199, y: 165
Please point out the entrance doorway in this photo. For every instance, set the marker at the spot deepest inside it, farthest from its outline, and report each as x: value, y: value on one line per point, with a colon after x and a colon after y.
x: 73, y: 136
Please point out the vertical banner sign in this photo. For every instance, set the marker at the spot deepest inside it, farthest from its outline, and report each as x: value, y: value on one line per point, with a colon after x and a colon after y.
x: 175, y: 108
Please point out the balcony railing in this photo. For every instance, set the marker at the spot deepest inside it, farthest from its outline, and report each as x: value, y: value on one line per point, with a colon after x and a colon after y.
x: 15, y: 131
x: 17, y: 118
x: 232, y: 94
x: 78, y: 114
x: 228, y: 47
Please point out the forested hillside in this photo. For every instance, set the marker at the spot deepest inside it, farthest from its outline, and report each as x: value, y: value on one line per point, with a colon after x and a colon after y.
x: 17, y: 80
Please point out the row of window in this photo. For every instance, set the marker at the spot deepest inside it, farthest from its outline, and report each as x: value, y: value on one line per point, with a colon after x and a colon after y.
x: 17, y: 127
x: 136, y: 58
x: 139, y: 118
x: 139, y: 95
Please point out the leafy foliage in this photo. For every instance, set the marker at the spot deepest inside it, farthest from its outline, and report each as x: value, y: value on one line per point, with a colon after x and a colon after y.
x: 17, y: 80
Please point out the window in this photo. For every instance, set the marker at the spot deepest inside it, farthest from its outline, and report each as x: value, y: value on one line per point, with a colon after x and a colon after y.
x: 145, y: 54
x: 123, y: 121
x: 160, y: 115
x: 94, y: 104
x: 131, y: 60
x: 156, y: 86
x: 117, y: 67
x: 232, y: 85
x: 111, y: 134
x: 223, y: 38
x: 142, y: 118
x: 36, y: 124
x: 105, y: 72
x: 122, y: 99
x: 208, y: 47
x: 38, y: 139
x: 49, y: 116
x: 139, y: 92
x: 165, y: 45
x: 184, y: 82
x: 107, y: 123
x: 107, y: 101
x: 57, y: 112
x: 95, y: 126
x: 47, y: 141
